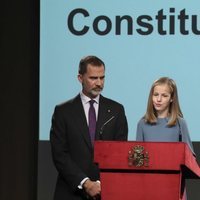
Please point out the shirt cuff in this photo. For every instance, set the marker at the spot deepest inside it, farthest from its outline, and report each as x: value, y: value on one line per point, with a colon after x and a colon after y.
x: 80, y: 186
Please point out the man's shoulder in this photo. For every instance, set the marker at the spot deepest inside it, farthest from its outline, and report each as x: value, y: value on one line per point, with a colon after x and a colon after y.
x: 110, y: 101
x: 68, y: 103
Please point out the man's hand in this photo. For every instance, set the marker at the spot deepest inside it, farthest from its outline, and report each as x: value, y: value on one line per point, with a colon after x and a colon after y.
x: 92, y: 188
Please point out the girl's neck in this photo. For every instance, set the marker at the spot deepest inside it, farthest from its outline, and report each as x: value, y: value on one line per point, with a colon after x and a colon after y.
x: 162, y: 114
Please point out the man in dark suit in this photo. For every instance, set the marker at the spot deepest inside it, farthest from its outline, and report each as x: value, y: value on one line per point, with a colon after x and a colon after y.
x: 72, y: 145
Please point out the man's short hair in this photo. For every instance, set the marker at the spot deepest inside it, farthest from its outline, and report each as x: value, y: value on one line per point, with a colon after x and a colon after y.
x: 92, y: 60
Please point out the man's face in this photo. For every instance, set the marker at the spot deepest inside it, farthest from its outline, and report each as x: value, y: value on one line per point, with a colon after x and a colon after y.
x: 93, y: 80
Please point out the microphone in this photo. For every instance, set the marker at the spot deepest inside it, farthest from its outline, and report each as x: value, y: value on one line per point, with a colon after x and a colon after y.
x: 180, y: 137
x: 102, y: 127
x: 180, y: 134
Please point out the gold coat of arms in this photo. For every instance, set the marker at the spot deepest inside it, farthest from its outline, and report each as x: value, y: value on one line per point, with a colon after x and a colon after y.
x: 138, y: 157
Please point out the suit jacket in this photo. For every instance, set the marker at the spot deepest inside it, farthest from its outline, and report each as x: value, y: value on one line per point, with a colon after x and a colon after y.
x: 72, y: 150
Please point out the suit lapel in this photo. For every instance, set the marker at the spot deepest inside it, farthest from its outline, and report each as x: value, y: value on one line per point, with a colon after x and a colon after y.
x: 81, y: 120
x: 104, y: 114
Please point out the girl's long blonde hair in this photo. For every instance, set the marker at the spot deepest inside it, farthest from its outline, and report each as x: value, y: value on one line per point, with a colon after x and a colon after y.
x: 174, y: 107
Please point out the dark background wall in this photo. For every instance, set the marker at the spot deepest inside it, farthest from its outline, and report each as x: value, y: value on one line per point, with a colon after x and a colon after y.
x: 19, y: 70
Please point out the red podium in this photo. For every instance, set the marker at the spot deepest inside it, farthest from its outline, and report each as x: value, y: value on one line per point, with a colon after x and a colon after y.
x: 144, y: 170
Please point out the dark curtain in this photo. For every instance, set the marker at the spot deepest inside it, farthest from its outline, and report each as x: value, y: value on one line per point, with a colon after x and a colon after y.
x: 19, y: 66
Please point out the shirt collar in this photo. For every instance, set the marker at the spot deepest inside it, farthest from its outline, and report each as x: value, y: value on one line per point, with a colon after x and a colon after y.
x: 85, y: 99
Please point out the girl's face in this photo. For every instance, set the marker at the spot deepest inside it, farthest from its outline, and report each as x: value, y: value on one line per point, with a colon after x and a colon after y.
x: 161, y: 100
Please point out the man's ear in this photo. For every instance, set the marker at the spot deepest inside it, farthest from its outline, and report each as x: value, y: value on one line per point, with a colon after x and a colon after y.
x: 80, y: 78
